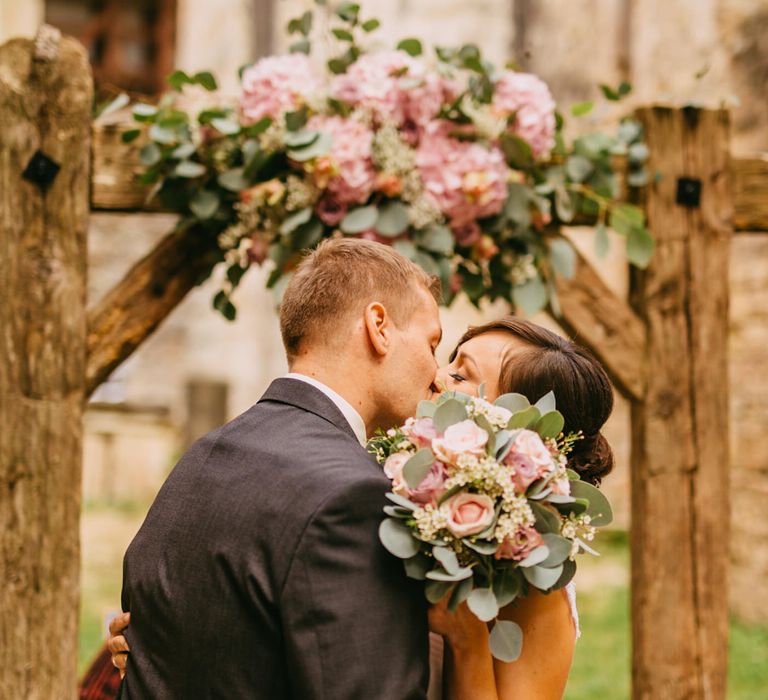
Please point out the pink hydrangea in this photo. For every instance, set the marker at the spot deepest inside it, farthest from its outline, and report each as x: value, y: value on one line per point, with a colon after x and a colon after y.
x: 529, y: 99
x: 395, y: 86
x: 353, y: 176
x: 276, y: 85
x: 466, y: 179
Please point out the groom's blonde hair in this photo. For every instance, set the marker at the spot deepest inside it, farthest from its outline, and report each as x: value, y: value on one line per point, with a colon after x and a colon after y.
x: 337, y: 280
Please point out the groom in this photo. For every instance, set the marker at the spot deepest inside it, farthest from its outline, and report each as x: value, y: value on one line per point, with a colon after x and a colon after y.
x: 258, y: 572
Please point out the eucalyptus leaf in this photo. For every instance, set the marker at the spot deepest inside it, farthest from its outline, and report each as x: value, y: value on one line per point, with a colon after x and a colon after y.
x: 118, y: 103
x: 625, y: 217
x: 559, y: 549
x: 359, y: 219
x: 550, y: 425
x: 563, y: 257
x: 392, y: 220
x: 530, y: 297
x: 307, y: 235
x: 524, y: 419
x: 506, y: 640
x: 205, y: 80
x: 482, y: 602
x: 300, y: 139
x: 437, y: 239
x: 572, y: 475
x: 578, y: 168
x: 547, y: 402
x: 435, y: 590
x: 190, y: 169
x: 130, y: 135
x: 602, y: 242
x: 569, y: 570
x: 512, y: 402
x: 410, y: 46
x: 162, y: 134
x: 417, y: 567
x: 543, y: 578
x: 150, y: 154
x: 233, y: 180
x: 204, y: 204
x: 599, y: 507
x: 485, y: 424
x: 398, y: 512
x: 535, y: 557
x: 640, y: 245
x: 417, y: 467
x: 228, y: 127
x: 295, y: 220
x: 484, y: 547
x: 449, y: 413
x: 144, y: 112
x: 442, y: 575
x: 318, y: 148
x: 401, y: 501
x: 447, y: 557
x: 581, y: 108
x: 507, y: 586
x: 398, y: 539
x: 546, y: 520
x: 460, y: 593
x: 426, y: 409
x: 184, y: 151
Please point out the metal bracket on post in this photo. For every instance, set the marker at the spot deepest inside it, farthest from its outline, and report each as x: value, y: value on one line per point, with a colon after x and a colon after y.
x: 688, y: 192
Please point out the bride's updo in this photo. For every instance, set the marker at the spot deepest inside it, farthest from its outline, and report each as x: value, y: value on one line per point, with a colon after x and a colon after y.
x: 582, y: 388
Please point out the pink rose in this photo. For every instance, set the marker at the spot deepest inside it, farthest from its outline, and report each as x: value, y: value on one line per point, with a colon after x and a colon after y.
x: 561, y: 487
x: 520, y: 545
x: 468, y: 513
x: 430, y: 489
x: 393, y: 467
x: 422, y: 432
x: 528, y: 98
x: 530, y: 458
x: 468, y: 234
x: 276, y: 85
x: 330, y: 210
x: 466, y: 437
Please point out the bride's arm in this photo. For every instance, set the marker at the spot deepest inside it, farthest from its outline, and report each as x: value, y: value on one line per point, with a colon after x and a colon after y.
x: 468, y: 672
x: 549, y: 638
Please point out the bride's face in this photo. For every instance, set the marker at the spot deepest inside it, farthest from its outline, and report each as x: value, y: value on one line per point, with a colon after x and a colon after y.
x: 479, y: 361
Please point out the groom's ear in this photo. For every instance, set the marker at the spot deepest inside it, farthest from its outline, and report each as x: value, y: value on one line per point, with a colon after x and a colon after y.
x: 378, y: 326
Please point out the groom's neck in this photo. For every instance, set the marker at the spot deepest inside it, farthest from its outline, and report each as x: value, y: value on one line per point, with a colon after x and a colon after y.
x: 348, y: 383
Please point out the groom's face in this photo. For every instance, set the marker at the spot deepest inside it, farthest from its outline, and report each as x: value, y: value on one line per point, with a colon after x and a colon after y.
x: 413, y: 365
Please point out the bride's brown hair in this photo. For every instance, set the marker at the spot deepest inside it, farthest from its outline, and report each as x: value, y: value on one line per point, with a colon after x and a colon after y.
x: 582, y: 389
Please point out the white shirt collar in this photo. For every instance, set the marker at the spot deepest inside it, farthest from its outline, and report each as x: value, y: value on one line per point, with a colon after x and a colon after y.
x: 354, y: 419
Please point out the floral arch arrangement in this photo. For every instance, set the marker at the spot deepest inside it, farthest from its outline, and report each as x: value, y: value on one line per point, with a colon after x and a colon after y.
x: 461, y: 166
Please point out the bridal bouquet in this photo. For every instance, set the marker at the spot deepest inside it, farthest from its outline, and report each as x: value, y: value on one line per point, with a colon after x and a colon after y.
x: 459, y: 164
x: 483, y: 505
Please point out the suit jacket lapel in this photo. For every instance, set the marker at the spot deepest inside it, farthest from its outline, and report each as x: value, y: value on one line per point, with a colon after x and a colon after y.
x: 296, y: 393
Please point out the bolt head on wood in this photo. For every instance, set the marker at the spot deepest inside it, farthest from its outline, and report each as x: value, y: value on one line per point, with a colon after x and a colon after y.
x: 41, y: 170
x: 688, y: 192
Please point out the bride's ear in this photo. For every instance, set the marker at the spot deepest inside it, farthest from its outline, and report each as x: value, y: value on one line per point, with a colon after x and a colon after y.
x: 378, y: 327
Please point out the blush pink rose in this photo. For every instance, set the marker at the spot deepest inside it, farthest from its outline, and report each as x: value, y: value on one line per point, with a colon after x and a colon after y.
x: 467, y: 180
x: 393, y: 467
x: 276, y: 85
x: 430, y: 489
x: 561, y: 487
x: 468, y: 513
x: 466, y: 437
x: 528, y: 98
x: 330, y: 210
x: 422, y: 432
x: 530, y: 458
x: 520, y: 545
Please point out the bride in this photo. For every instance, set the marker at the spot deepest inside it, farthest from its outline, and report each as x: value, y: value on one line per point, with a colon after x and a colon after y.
x: 509, y: 355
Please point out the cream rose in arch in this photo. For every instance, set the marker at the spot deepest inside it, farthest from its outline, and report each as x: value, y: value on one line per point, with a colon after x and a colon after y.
x: 468, y: 513
x: 466, y: 437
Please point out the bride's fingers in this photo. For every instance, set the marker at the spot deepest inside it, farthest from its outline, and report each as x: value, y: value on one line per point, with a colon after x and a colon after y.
x: 118, y: 646
x: 118, y: 623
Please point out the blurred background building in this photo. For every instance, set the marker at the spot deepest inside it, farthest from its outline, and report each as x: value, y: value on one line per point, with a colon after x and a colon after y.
x: 198, y: 370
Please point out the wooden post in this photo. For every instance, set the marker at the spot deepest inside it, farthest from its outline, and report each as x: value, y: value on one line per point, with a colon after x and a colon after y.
x: 680, y: 496
x: 46, y: 94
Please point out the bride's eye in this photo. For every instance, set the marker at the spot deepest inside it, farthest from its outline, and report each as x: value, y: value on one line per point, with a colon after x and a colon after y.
x: 457, y: 377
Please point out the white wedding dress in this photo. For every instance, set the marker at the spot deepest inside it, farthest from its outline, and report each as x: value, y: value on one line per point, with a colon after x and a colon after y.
x: 436, y: 649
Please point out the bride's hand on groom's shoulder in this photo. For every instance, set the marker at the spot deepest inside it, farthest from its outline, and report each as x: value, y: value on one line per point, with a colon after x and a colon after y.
x: 461, y: 629
x: 117, y: 643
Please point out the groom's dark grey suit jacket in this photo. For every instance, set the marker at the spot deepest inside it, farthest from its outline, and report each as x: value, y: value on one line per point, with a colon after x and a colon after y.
x: 258, y: 571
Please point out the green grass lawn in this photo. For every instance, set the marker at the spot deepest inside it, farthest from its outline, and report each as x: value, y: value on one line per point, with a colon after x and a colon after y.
x: 601, y: 668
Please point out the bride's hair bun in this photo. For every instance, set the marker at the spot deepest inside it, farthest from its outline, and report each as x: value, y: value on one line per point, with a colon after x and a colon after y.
x: 591, y: 458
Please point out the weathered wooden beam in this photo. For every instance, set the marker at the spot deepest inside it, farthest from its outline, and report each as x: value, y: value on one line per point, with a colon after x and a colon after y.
x: 599, y: 319
x: 46, y: 93
x: 150, y: 290
x: 679, y: 463
x: 750, y: 186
